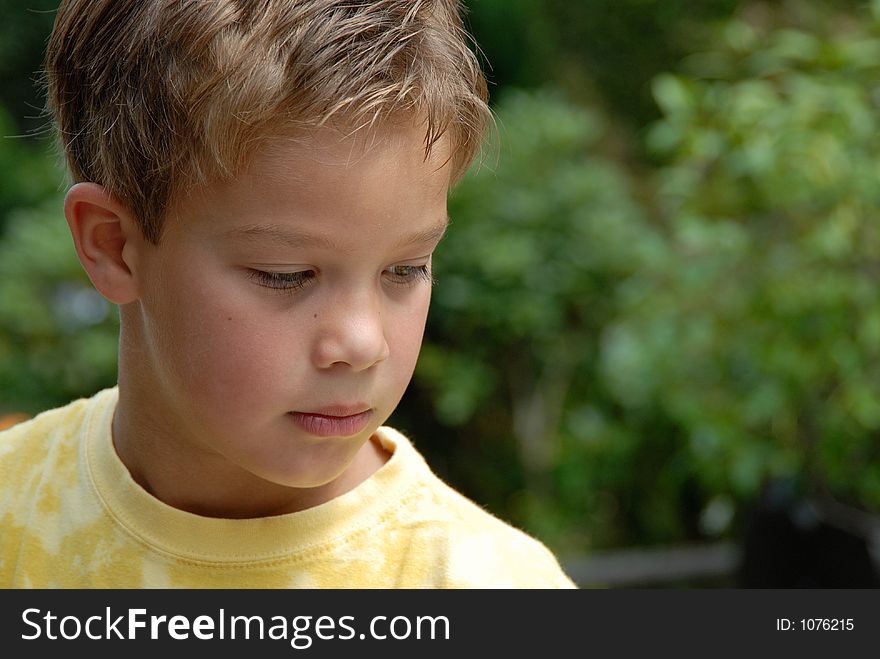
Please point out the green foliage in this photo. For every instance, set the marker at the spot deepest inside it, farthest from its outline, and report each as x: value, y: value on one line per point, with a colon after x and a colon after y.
x: 58, y: 336
x: 758, y: 335
x: 23, y: 34
x: 623, y: 44
x: 602, y: 51
x: 654, y: 375
x: 28, y: 174
x: 536, y: 243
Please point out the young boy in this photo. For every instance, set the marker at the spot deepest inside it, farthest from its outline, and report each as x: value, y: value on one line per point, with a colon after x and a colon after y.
x: 259, y: 186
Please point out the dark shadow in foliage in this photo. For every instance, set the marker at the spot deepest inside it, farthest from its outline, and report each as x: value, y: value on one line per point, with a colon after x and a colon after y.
x: 794, y: 542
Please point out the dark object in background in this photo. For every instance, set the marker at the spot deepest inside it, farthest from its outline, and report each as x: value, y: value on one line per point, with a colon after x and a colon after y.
x: 794, y: 542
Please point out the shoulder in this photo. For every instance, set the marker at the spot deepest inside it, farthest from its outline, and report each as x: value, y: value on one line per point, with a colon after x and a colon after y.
x: 51, y: 438
x: 32, y: 435
x: 476, y: 548
x: 486, y: 552
x: 51, y: 423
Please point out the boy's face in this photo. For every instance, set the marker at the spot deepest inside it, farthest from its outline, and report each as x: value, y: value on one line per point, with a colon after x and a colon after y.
x: 280, y: 318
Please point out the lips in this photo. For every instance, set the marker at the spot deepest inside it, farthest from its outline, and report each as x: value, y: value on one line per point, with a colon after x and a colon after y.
x: 335, y: 421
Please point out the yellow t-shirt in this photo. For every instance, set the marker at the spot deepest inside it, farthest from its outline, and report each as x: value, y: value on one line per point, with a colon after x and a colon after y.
x: 71, y: 516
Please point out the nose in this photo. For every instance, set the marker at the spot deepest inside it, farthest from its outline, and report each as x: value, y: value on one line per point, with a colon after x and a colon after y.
x: 351, y: 333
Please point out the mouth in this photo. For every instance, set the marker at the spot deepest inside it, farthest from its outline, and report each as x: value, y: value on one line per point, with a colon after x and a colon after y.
x: 339, y: 424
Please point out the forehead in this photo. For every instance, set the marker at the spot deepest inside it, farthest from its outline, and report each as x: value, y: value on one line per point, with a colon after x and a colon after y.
x: 349, y: 152
x: 322, y: 185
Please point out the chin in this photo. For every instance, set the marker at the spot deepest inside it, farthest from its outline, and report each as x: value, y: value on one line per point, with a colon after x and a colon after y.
x: 304, y: 478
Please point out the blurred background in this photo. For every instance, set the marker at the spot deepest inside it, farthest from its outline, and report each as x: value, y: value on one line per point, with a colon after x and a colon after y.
x: 655, y: 337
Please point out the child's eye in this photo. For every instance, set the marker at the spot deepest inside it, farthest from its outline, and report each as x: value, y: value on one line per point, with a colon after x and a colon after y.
x: 409, y: 274
x: 282, y: 281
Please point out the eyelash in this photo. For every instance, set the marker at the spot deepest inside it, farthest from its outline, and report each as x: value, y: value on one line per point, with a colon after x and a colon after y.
x: 284, y: 282
x: 290, y: 282
x: 414, y: 274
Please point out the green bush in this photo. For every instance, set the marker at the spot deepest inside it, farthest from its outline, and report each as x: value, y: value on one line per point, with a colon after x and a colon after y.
x: 57, y: 335
x: 759, y: 336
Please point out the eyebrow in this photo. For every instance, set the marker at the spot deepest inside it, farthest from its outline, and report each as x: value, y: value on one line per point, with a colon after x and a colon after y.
x: 293, y: 238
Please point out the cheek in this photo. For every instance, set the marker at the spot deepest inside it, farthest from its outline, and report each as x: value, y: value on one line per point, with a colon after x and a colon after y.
x: 221, y: 348
x: 405, y: 334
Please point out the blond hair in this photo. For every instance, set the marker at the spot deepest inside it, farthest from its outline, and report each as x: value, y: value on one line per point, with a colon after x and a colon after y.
x: 152, y: 96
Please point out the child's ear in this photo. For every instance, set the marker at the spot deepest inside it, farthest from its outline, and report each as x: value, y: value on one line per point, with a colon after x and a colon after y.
x: 104, y: 233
